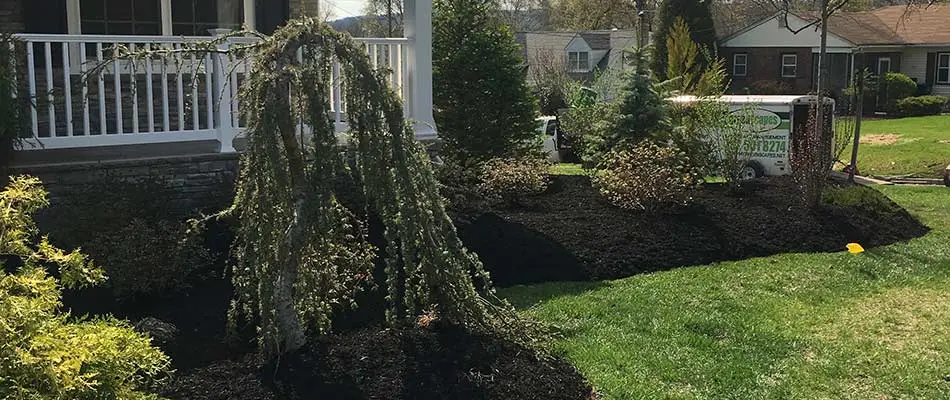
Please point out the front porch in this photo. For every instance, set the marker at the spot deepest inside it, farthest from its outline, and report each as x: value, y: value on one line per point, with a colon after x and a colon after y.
x: 183, y: 105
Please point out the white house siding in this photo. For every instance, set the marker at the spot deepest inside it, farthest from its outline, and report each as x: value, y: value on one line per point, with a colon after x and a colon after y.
x: 771, y: 34
x: 914, y: 65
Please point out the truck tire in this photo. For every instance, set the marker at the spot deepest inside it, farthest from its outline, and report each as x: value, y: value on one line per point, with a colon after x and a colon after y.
x: 752, y: 170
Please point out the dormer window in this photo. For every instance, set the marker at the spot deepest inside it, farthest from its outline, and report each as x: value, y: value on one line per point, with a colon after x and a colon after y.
x: 578, y: 61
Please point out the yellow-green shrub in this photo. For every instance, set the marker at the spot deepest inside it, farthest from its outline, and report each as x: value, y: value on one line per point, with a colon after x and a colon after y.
x: 646, y: 177
x: 44, y: 354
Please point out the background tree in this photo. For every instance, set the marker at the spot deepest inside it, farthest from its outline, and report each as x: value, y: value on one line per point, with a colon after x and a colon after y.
x: 688, y: 76
x: 593, y: 14
x: 698, y: 17
x: 383, y: 18
x: 483, y: 106
x: 525, y: 15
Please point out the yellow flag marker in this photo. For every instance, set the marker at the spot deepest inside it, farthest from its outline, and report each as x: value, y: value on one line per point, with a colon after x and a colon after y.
x: 855, y: 248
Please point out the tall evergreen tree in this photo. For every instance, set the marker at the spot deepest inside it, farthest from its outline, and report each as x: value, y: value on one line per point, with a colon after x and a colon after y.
x: 483, y: 106
x: 698, y: 18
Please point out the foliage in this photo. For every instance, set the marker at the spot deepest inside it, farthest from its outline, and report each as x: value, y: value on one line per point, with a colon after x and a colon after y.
x: 44, y: 354
x: 14, y: 111
x: 893, y: 87
x: 683, y: 65
x: 810, y: 157
x: 510, y: 180
x: 483, y: 106
x: 645, y: 177
x: 302, y: 255
x: 459, y: 188
x: 642, y: 110
x: 586, y: 127
x: 698, y: 18
x: 382, y: 18
x: 729, y: 138
x: 585, y: 15
x: 921, y: 106
x: 769, y: 87
x: 551, y: 82
x: 142, y: 247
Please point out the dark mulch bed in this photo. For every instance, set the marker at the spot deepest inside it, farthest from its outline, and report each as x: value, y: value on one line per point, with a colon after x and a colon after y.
x: 411, y: 363
x: 571, y: 233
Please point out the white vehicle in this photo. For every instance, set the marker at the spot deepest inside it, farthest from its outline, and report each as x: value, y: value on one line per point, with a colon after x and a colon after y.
x: 553, y: 141
x: 778, y: 117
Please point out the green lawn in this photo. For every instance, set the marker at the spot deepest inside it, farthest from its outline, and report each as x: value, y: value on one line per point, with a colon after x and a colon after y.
x: 798, y: 326
x: 922, y: 146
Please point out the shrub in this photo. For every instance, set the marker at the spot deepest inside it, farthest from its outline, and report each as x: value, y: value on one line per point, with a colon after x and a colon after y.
x: 893, y: 87
x: 510, y: 180
x: 44, y: 354
x: 136, y: 238
x: 458, y: 185
x: 859, y: 197
x: 586, y: 126
x: 921, y: 105
x: 646, y: 177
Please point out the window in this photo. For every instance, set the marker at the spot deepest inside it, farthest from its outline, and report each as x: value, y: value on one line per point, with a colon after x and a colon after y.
x: 578, y: 61
x: 883, y: 65
x: 156, y: 17
x: 789, y: 65
x: 121, y: 17
x: 943, y: 68
x: 740, y: 64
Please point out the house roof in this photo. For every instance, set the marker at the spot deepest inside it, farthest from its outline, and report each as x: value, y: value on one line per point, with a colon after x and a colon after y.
x: 894, y: 25
x: 596, y: 40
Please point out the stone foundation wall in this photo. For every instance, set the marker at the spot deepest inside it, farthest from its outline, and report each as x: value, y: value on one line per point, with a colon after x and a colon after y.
x: 196, y: 183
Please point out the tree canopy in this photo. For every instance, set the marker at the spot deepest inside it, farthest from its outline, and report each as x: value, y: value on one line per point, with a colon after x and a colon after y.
x: 698, y: 17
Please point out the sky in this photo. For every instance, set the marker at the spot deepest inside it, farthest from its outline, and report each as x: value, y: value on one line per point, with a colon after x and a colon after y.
x: 344, y: 8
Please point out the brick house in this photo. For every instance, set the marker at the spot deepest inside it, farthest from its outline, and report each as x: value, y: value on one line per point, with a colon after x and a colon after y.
x: 767, y: 56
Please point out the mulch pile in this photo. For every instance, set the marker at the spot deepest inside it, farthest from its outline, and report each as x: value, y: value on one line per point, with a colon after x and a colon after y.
x: 572, y: 233
x: 409, y: 363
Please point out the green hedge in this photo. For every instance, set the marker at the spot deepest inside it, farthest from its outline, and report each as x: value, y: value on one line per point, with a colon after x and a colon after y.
x: 894, y: 87
x: 921, y: 105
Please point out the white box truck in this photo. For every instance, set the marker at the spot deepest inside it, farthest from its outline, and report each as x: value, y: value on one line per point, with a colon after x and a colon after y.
x: 778, y: 118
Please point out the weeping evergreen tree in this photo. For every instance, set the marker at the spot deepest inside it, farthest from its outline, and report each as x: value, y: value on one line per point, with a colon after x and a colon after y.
x: 301, y: 253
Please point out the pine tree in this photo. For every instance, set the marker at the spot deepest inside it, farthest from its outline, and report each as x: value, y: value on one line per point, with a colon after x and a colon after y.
x: 483, y: 106
x: 698, y: 17
x: 643, y: 111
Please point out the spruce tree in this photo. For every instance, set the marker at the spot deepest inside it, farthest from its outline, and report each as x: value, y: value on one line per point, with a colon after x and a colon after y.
x: 483, y: 106
x: 698, y: 18
x: 643, y: 112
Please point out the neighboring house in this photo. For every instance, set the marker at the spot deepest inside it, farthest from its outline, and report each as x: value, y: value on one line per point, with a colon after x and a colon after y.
x: 578, y: 54
x: 768, y: 54
x: 150, y: 108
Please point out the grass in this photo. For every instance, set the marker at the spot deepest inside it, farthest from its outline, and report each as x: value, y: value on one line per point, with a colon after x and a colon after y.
x: 922, y: 146
x: 567, y: 169
x: 798, y: 326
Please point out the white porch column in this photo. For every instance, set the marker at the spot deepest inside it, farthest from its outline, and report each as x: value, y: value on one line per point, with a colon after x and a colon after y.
x: 250, y: 15
x: 418, y: 28
x: 73, y: 17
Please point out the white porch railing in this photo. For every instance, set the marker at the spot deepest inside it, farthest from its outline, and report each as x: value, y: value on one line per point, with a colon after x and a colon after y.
x: 187, y: 98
